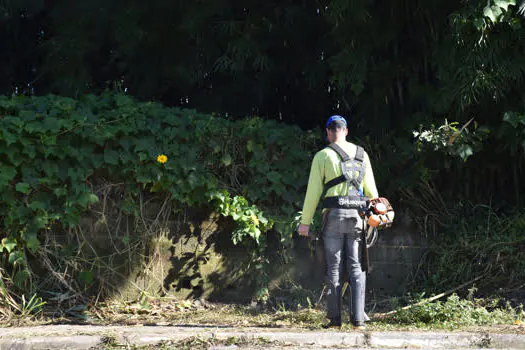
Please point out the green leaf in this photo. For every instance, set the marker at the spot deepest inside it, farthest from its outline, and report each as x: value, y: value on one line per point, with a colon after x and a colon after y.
x: 123, y: 100
x: 487, y: 12
x: 18, y: 122
x: 274, y: 177
x: 193, y: 180
x: 226, y: 160
x: 497, y: 11
x: 249, y: 145
x: 157, y: 187
x: 16, y: 257
x: 504, y: 4
x: 111, y: 156
x: 21, y: 278
x: 9, y: 137
x: 479, y: 23
x: 60, y: 192
x: 465, y: 151
x: 32, y: 241
x: 512, y: 118
x: 86, y: 199
x: 51, y: 124
x: 144, y: 144
x: 24, y: 211
x: 9, y: 244
x: 23, y: 187
x: 257, y: 234
x: 38, y: 205
x: 7, y: 174
x: 48, y: 140
x: 40, y: 221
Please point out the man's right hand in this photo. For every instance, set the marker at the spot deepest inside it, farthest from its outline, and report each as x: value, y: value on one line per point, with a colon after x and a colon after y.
x: 303, y: 230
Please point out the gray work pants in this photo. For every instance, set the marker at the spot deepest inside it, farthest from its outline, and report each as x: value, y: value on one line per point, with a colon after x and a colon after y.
x: 342, y: 237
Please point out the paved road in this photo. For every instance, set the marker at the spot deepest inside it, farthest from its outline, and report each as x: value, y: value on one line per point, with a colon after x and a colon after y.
x: 115, y: 337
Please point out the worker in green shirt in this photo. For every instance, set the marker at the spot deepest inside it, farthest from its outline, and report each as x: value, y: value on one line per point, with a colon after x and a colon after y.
x: 343, y: 171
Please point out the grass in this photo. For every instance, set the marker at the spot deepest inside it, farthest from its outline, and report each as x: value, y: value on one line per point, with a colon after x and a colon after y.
x: 169, y: 311
x: 455, y: 313
x: 452, y: 313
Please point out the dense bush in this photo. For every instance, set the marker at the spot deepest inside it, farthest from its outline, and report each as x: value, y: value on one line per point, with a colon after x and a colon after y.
x: 456, y: 312
x: 54, y: 150
x: 478, y: 245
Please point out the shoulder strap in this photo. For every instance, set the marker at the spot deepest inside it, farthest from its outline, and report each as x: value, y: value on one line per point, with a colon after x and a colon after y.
x: 359, y: 156
x: 339, y: 151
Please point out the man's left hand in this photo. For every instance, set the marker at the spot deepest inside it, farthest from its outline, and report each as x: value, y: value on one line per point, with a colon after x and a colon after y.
x: 303, y: 230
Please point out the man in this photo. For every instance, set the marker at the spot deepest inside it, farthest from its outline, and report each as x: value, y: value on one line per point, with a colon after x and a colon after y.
x: 345, y: 182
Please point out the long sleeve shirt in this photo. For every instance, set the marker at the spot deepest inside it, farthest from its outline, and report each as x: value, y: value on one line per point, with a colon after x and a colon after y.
x: 326, y: 166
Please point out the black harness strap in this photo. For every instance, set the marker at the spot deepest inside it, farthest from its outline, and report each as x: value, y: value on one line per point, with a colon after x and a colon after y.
x: 339, y: 151
x: 359, y: 156
x: 353, y: 200
x: 334, y: 182
x: 344, y: 202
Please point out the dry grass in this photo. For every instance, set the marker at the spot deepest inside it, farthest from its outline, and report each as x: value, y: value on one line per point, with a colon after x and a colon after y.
x: 173, y: 312
x: 169, y: 311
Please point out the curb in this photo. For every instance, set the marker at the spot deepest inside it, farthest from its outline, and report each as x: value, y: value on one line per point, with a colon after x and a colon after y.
x: 98, y: 337
x: 446, y: 340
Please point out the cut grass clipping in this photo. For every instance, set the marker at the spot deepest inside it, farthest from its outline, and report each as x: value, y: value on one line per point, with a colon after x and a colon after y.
x: 456, y: 312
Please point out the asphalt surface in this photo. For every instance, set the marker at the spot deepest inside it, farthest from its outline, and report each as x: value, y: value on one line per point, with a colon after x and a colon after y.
x: 171, y: 337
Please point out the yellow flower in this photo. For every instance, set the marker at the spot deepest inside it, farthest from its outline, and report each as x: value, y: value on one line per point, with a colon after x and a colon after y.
x: 162, y: 158
x: 255, y: 219
x: 518, y: 322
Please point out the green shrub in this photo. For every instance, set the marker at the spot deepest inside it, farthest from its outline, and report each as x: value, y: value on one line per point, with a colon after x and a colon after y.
x: 54, y: 150
x: 456, y: 312
x: 477, y: 243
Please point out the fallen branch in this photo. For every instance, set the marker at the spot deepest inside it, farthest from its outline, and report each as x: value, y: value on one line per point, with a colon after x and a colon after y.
x: 435, y: 297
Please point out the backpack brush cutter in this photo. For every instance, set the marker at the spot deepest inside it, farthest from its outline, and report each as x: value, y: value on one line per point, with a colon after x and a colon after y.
x: 378, y: 214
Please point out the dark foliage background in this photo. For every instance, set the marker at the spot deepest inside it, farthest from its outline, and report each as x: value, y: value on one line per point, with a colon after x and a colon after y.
x: 389, y: 68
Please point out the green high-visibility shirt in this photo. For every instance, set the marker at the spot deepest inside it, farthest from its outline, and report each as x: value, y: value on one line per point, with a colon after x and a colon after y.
x: 327, y: 166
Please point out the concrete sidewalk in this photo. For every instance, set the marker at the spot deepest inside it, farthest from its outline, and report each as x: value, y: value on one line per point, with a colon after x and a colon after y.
x: 101, y: 337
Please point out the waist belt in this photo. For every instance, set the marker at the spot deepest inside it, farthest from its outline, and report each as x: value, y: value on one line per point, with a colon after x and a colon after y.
x: 345, y: 202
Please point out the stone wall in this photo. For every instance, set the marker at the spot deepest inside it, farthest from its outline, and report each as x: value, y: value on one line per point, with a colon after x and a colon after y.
x: 394, y: 261
x: 191, y: 256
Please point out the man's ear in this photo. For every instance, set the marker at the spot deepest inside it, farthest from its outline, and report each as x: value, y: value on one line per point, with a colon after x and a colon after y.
x: 346, y: 132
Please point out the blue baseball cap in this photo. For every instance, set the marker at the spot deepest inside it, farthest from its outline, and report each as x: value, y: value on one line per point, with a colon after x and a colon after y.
x: 335, y: 118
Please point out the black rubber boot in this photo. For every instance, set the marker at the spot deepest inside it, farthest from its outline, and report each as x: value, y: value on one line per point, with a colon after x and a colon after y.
x: 358, y: 325
x: 334, y: 323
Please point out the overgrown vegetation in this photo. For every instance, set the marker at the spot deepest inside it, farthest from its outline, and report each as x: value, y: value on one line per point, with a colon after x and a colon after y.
x: 456, y: 312
x: 60, y: 156
x: 451, y: 313
x: 80, y: 153
x: 486, y: 245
